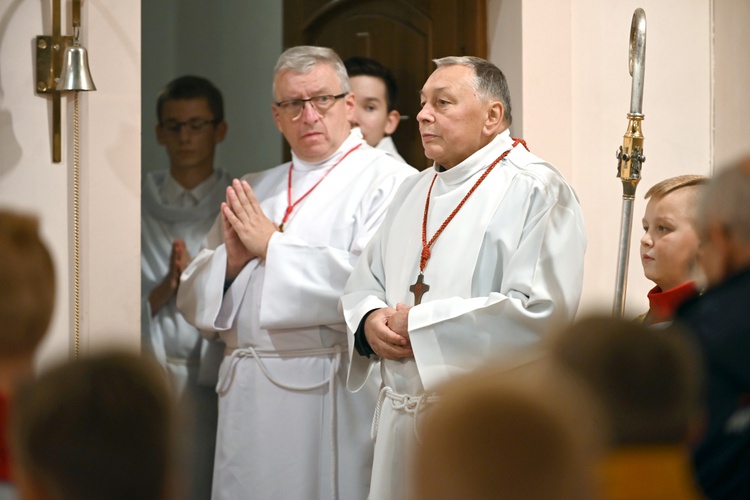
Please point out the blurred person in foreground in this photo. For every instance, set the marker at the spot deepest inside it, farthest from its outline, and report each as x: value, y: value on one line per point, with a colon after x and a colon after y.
x: 523, y: 433
x: 97, y: 428
x: 721, y: 325
x: 27, y: 300
x: 649, y: 384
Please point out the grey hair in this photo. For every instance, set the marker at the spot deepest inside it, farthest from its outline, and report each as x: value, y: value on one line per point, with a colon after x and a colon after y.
x: 489, y: 82
x: 724, y: 201
x: 303, y: 58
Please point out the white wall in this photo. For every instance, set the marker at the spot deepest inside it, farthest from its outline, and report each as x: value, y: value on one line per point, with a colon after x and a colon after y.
x: 576, y: 96
x: 110, y: 167
x: 731, y: 80
x: 505, y: 37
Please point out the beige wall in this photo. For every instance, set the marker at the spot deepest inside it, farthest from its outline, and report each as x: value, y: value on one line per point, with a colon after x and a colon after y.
x: 731, y: 80
x: 110, y: 167
x: 576, y: 95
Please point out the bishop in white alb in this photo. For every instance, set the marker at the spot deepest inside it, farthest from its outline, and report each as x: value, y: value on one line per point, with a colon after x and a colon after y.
x: 504, y: 270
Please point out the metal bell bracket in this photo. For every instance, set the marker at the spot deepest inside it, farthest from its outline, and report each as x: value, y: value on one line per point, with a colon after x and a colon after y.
x: 49, y: 63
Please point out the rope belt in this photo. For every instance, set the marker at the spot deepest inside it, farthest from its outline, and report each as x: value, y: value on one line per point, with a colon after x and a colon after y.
x: 226, y: 377
x: 183, y: 361
x: 405, y: 403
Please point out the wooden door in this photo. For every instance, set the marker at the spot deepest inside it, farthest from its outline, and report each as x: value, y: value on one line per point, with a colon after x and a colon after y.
x: 404, y: 35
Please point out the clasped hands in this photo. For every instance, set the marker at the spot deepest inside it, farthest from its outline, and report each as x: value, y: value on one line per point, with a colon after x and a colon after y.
x: 246, y: 228
x: 160, y: 295
x: 387, y: 332
x: 247, y: 232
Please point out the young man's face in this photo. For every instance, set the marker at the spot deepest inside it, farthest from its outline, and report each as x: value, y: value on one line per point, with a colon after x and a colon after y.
x: 189, y: 133
x: 670, y: 244
x: 371, y: 113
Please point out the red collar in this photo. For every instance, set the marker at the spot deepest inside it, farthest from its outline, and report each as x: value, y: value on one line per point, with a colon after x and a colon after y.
x: 4, y: 453
x: 664, y: 304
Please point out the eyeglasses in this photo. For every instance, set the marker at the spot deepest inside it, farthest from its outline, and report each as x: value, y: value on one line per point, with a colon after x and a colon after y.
x: 292, y: 108
x: 193, y: 125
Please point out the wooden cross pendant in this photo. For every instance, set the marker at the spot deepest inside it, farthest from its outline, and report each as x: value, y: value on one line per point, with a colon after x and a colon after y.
x: 418, y: 289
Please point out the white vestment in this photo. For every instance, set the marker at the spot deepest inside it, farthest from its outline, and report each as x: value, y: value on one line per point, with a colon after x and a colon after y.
x: 387, y: 145
x: 169, y: 212
x: 281, y: 434
x: 504, y: 270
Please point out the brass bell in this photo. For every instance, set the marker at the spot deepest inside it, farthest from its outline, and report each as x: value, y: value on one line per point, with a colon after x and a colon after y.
x: 75, y: 74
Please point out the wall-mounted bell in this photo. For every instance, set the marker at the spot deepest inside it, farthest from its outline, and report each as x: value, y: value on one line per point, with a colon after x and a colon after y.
x: 75, y: 74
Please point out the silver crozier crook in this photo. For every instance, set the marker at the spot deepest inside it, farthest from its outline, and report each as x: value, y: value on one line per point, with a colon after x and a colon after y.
x: 630, y: 155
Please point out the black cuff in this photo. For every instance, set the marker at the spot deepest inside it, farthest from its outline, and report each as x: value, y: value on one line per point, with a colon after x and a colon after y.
x: 360, y: 340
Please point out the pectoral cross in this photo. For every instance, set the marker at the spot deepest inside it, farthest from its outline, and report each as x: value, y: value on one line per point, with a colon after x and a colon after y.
x: 418, y: 289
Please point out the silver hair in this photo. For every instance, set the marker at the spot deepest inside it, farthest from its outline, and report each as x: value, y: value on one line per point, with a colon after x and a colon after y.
x: 724, y: 201
x: 489, y: 82
x: 303, y: 58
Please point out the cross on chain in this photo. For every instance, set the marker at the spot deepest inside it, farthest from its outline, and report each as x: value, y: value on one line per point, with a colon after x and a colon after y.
x: 418, y: 289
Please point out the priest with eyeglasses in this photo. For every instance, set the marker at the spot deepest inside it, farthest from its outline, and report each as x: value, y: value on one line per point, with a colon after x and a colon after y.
x: 268, y: 285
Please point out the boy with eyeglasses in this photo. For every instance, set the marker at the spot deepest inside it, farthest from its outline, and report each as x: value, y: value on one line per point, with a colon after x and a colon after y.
x: 269, y: 286
x: 179, y: 206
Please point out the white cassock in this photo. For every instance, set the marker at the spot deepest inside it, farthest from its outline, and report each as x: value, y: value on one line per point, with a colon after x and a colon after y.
x: 508, y: 267
x: 387, y: 145
x: 281, y: 434
x: 169, y: 212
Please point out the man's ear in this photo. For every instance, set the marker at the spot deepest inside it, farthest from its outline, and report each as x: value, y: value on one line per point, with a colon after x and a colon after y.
x: 220, y: 131
x: 391, y: 124
x: 494, y: 122
x: 161, y: 136
x: 720, y: 237
x: 735, y: 250
x: 276, y: 116
x: 350, y: 103
x: 718, y: 261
